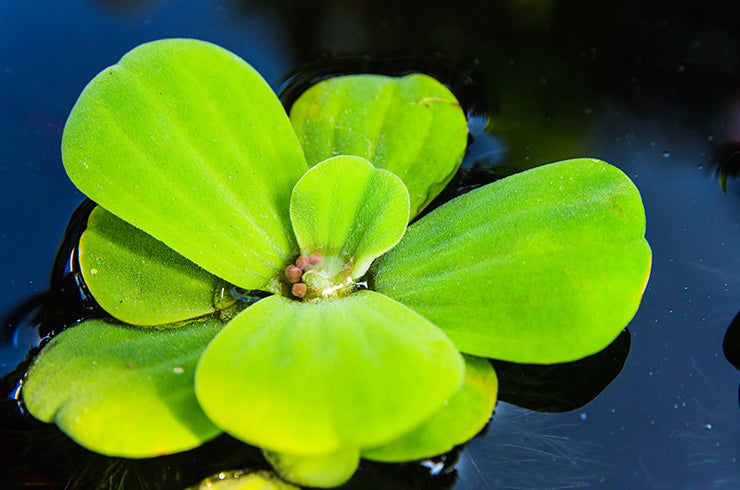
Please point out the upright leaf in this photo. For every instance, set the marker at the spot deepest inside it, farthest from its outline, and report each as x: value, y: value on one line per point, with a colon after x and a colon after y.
x: 412, y: 126
x: 545, y: 266
x: 187, y: 142
x: 141, y: 281
x: 345, y: 207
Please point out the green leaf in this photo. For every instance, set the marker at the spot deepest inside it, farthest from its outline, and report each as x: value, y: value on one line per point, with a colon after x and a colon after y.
x: 545, y: 266
x: 316, y: 471
x: 461, y: 418
x: 312, y: 378
x: 187, y: 142
x: 123, y: 391
x: 412, y: 126
x: 244, y: 480
x: 345, y: 207
x: 141, y: 281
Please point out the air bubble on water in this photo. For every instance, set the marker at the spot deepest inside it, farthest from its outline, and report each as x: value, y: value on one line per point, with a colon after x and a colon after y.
x: 666, y: 154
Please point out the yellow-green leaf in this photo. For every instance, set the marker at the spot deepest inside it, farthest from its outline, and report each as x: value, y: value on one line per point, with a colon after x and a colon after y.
x: 459, y: 420
x: 545, y: 266
x: 412, y: 126
x: 187, y: 142
x: 312, y: 378
x: 139, y: 280
x: 123, y: 391
x: 345, y: 207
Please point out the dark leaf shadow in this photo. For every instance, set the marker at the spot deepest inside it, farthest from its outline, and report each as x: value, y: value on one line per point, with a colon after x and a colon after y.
x: 562, y: 387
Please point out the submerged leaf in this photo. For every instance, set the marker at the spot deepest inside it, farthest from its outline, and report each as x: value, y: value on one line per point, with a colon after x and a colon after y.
x: 141, y: 281
x: 187, y: 142
x: 312, y: 378
x: 345, y: 207
x: 244, y: 480
x: 461, y: 418
x: 412, y: 126
x: 123, y: 391
x: 545, y: 266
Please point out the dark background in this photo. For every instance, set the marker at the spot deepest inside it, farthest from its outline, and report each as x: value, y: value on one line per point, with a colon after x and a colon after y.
x: 652, y: 87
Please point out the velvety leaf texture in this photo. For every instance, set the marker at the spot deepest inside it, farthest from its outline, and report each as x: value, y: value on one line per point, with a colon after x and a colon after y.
x: 545, y: 266
x: 461, y: 418
x: 323, y: 471
x: 345, y: 207
x: 187, y: 142
x: 141, y: 281
x: 312, y: 378
x: 412, y: 126
x: 123, y: 391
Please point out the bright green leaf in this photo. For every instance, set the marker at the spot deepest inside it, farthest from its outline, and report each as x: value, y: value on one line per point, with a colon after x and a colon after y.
x: 345, y: 207
x: 187, y: 142
x: 412, y: 126
x: 461, y: 418
x: 541, y: 267
x: 141, y: 281
x: 312, y: 378
x: 316, y: 471
x: 123, y: 391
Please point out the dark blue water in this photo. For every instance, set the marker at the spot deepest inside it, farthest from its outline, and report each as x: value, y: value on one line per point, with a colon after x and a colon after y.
x: 655, y: 93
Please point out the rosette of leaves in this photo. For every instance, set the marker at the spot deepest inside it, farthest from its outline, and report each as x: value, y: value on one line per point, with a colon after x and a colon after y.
x: 372, y: 343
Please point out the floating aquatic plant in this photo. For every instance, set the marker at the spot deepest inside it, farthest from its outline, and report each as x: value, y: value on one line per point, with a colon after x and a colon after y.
x: 371, y: 342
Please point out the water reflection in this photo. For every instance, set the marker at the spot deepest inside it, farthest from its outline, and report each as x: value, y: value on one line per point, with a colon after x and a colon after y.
x: 731, y: 345
x: 462, y: 79
x: 41, y: 456
x: 562, y: 387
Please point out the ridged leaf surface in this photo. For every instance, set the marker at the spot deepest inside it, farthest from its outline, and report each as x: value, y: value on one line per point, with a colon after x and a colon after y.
x: 187, y: 142
x: 545, y: 266
x: 412, y: 126
x: 139, y: 280
x: 123, y: 391
x: 312, y: 378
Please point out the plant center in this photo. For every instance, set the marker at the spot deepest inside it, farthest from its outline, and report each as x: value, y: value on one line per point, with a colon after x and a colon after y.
x: 317, y: 277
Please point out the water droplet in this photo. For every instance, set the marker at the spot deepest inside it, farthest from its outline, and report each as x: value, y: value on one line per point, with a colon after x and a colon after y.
x: 584, y: 416
x: 178, y: 370
x: 666, y: 154
x: 708, y: 426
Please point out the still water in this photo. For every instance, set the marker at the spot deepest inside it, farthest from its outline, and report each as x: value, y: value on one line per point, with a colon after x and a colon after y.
x: 654, y: 92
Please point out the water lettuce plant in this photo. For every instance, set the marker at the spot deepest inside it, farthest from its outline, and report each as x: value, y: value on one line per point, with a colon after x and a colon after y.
x: 371, y: 337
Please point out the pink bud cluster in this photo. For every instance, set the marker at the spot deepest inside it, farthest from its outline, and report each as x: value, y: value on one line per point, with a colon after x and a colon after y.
x: 294, y: 272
